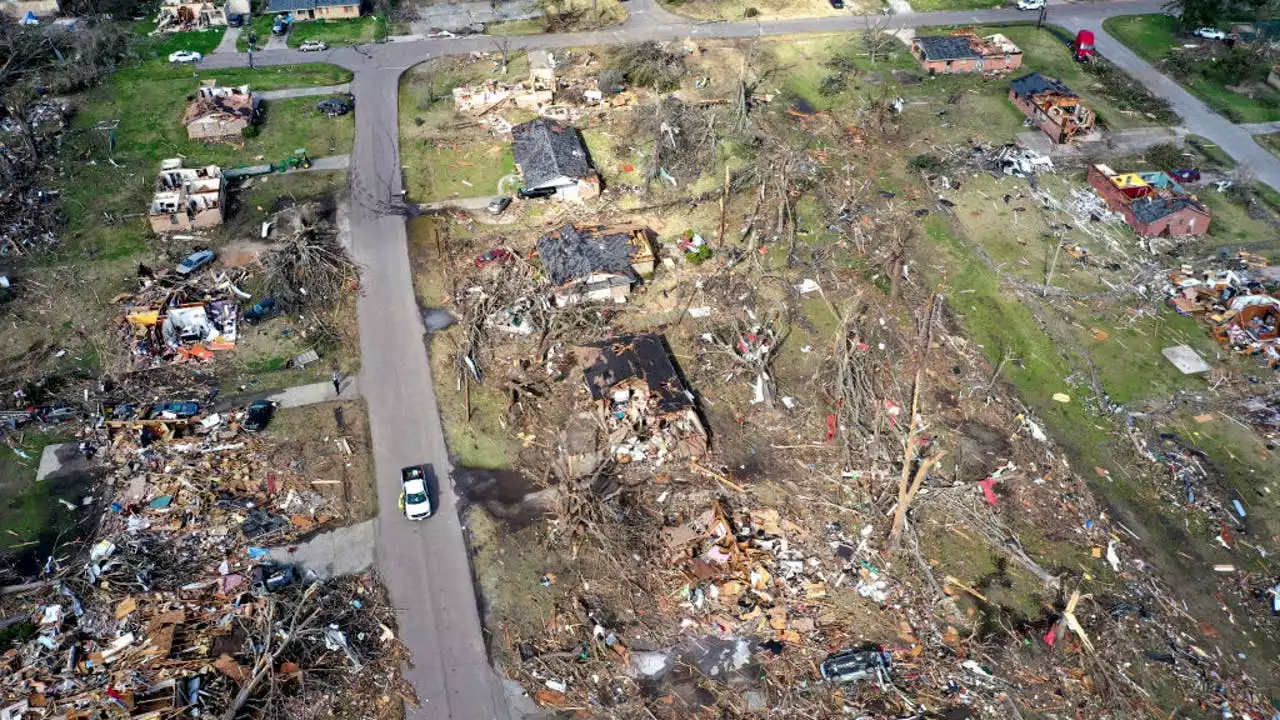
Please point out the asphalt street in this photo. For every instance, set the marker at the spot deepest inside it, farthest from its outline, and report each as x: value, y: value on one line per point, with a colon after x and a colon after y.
x: 425, y: 564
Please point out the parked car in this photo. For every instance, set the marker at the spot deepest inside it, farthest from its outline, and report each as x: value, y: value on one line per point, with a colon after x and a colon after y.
x: 1185, y: 175
x: 492, y: 257
x: 415, y: 491
x: 235, y: 20
x: 281, y: 24
x: 837, y: 4
x: 1210, y: 33
x: 857, y: 664
x: 334, y: 106
x: 537, y: 192
x: 1030, y: 4
x: 498, y: 204
x: 185, y: 56
x: 195, y: 261
x: 313, y: 46
x: 258, y: 415
x: 175, y: 410
x: 264, y: 309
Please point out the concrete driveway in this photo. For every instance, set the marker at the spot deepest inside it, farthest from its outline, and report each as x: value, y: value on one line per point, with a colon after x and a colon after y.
x: 426, y: 565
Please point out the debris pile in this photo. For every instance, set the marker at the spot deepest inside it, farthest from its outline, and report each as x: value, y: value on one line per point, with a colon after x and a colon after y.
x: 178, y: 317
x: 177, y: 601
x: 1235, y: 300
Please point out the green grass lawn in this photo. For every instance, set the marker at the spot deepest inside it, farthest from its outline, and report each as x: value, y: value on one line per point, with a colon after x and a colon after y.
x: 1155, y: 37
x: 340, y: 32
x: 1150, y: 36
x: 261, y: 26
x: 158, y: 47
x: 943, y: 5
x: 102, y: 200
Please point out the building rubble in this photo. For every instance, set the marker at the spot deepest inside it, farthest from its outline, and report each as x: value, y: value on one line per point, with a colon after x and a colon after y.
x: 1236, y: 301
x: 170, y: 603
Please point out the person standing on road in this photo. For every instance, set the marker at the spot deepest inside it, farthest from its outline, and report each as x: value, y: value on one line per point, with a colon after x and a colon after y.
x: 337, y: 383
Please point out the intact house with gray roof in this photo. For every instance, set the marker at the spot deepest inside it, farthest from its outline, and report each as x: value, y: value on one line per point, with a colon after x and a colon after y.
x: 551, y: 155
x: 596, y: 263
x: 315, y: 9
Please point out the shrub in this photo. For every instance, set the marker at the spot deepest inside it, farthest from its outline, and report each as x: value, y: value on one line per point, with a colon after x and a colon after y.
x: 1165, y: 156
x: 249, y: 131
x: 927, y: 162
x: 833, y: 84
x: 699, y: 256
x: 751, y: 12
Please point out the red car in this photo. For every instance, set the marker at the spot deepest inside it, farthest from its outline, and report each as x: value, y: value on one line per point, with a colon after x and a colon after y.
x: 496, y: 255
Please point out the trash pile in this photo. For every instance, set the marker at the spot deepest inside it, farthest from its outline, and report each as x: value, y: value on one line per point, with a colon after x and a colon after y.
x: 1236, y: 301
x: 176, y: 316
x: 177, y: 603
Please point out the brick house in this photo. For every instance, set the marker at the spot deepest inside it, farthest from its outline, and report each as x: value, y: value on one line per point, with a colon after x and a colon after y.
x: 1152, y: 203
x: 315, y: 9
x: 965, y: 52
x: 1051, y: 106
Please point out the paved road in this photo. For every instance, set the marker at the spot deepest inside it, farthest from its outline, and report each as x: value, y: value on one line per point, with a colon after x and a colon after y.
x: 426, y: 565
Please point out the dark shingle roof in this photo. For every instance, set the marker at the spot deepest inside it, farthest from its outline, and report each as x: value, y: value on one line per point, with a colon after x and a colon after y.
x: 567, y: 254
x: 637, y: 356
x: 1035, y: 83
x: 946, y: 47
x: 1151, y: 209
x: 546, y: 150
x: 279, y: 6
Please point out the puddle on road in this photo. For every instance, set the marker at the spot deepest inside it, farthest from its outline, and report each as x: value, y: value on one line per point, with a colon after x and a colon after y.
x: 505, y: 494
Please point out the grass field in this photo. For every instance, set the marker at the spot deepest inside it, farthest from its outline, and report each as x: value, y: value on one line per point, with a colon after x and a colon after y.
x: 1241, y: 97
x: 259, y: 26
x: 370, y: 28
x: 770, y: 9
x: 565, y: 16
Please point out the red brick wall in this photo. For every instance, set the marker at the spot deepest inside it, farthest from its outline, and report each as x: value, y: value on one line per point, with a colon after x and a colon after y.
x: 1046, y: 125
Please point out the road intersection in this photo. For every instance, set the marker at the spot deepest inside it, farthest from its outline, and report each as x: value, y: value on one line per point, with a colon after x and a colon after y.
x: 426, y: 565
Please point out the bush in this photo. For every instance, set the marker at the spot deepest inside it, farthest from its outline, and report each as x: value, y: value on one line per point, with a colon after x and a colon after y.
x: 250, y: 131
x: 1165, y: 156
x: 699, y: 256
x: 751, y: 12
x: 647, y: 64
x: 926, y: 163
x: 833, y: 84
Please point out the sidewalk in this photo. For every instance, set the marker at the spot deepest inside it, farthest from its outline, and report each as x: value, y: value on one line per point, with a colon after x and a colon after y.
x: 316, y: 393
x: 228, y: 43
x: 343, y: 89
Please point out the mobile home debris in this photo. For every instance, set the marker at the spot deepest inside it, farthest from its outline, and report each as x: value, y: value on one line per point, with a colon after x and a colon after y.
x: 964, y: 52
x: 596, y: 263
x: 1233, y: 302
x: 1153, y: 203
x: 187, y: 198
x: 1051, y: 106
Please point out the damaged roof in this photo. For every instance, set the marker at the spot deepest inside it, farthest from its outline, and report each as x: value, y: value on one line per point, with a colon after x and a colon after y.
x: 546, y: 150
x: 568, y: 254
x: 946, y: 47
x: 1035, y: 84
x: 607, y: 363
x: 1150, y: 209
x: 276, y: 6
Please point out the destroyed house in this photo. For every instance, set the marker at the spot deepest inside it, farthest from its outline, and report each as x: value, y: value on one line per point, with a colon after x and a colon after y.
x: 315, y: 9
x: 187, y: 198
x: 963, y: 52
x: 220, y: 112
x: 178, y: 15
x: 1051, y: 106
x: 550, y: 155
x: 1152, y: 203
x: 595, y: 263
x: 643, y: 404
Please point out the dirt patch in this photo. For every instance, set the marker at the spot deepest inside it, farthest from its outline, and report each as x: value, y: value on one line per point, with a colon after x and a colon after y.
x: 314, y: 439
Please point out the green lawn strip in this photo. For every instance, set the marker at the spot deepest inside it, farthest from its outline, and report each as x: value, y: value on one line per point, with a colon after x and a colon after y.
x: 261, y: 26
x: 1212, y: 153
x: 1150, y: 36
x: 438, y: 172
x: 944, y: 5
x: 339, y: 32
x: 513, y: 28
x: 159, y: 46
x: 1270, y: 141
x: 29, y: 509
